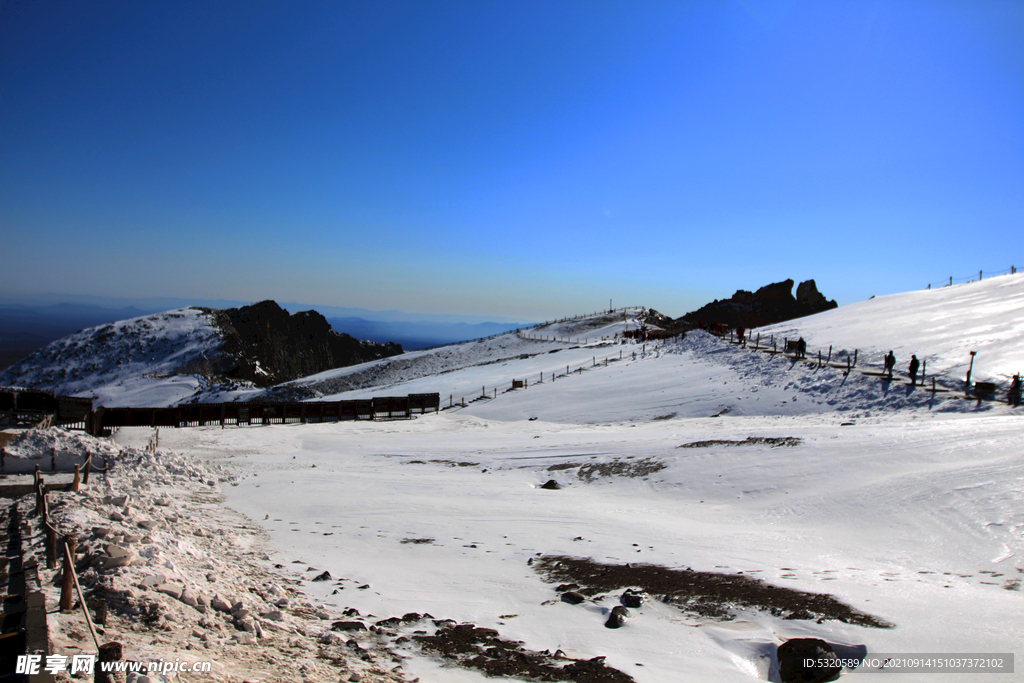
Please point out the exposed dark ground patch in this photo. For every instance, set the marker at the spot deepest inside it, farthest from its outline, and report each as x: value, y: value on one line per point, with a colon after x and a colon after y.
x: 449, y: 463
x: 482, y: 649
x: 615, y: 468
x: 664, y: 417
x: 706, y: 594
x: 620, y: 468
x: 417, y: 541
x: 773, y: 441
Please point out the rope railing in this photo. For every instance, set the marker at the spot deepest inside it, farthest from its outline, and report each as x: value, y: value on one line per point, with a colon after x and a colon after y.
x: 950, y: 281
x: 69, y: 577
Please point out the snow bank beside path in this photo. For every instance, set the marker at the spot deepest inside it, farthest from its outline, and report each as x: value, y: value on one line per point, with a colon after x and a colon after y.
x: 186, y: 579
x: 54, y: 446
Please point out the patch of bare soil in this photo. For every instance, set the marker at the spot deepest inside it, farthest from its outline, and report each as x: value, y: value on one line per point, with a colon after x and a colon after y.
x: 417, y: 541
x: 773, y: 441
x: 482, y: 649
x: 620, y: 468
x: 564, y: 466
x: 449, y: 463
x: 706, y: 594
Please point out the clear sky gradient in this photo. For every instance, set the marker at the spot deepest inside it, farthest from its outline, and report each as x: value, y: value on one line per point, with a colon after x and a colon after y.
x: 516, y: 159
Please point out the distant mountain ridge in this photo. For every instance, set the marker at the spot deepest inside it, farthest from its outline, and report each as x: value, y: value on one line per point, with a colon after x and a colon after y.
x: 419, y: 335
x: 28, y: 323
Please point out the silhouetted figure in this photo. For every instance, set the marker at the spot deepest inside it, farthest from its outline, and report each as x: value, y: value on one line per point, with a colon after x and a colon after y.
x: 739, y: 334
x: 1013, y: 396
x: 890, y: 363
x: 914, y: 365
x: 801, y: 348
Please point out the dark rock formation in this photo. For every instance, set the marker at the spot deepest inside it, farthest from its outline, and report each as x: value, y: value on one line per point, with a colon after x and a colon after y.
x: 771, y: 304
x: 551, y: 485
x: 632, y: 598
x: 265, y: 345
x: 807, y: 660
x: 572, y: 597
x: 348, y: 626
x: 617, y: 618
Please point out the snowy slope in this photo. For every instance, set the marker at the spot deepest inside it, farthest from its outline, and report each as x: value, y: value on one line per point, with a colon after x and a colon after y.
x: 941, y: 326
x: 900, y: 516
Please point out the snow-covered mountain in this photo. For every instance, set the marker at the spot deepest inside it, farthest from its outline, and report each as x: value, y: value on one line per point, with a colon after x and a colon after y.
x: 166, y: 358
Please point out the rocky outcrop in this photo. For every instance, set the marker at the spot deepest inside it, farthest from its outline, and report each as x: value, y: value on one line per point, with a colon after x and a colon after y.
x: 770, y: 304
x: 265, y: 345
x: 807, y: 660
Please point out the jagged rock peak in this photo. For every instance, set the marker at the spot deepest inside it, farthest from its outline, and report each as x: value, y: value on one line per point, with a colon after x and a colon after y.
x: 770, y: 304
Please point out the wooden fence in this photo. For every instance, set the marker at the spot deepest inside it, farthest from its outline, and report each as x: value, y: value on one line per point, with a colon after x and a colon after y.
x: 78, y: 413
x: 30, y: 407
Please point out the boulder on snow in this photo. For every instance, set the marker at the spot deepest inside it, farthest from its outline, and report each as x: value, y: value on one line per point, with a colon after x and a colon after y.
x: 795, y: 654
x: 551, y: 485
x: 572, y: 597
x: 617, y: 618
x: 120, y: 561
x: 117, y: 551
x: 348, y: 626
x: 632, y: 598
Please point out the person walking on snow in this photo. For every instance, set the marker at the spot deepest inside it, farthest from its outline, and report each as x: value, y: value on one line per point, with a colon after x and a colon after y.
x: 890, y: 363
x: 1013, y: 396
x: 914, y: 365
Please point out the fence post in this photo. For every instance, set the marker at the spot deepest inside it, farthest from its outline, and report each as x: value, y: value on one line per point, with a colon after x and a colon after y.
x: 855, y: 358
x: 67, y: 584
x: 979, y: 276
x: 950, y: 280
x: 76, y: 483
x: 829, y: 360
x: 51, y: 545
x: 924, y: 370
x: 109, y: 652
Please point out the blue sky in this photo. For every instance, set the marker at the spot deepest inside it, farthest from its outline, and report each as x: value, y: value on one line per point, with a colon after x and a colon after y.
x: 515, y: 159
